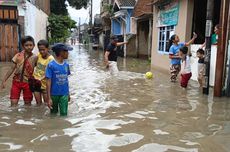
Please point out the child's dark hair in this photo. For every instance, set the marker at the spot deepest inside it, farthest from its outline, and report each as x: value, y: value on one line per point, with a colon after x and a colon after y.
x: 26, y: 39
x: 201, y: 51
x: 184, y: 50
x: 57, y: 53
x: 217, y: 26
x: 172, y: 38
x: 44, y: 43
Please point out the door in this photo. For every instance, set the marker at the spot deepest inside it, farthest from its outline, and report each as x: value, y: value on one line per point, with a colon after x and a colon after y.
x: 9, y: 32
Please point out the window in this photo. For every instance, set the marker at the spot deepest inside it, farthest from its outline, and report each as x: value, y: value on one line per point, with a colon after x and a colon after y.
x: 164, y: 35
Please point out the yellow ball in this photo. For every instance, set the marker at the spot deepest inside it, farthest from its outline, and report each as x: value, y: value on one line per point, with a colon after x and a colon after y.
x: 149, y: 75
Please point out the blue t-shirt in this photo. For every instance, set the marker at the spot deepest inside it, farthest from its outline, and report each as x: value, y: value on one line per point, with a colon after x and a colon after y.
x: 174, y: 50
x: 58, y: 73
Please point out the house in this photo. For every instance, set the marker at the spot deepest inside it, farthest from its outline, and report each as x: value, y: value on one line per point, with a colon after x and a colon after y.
x: 183, y: 17
x: 141, y: 26
x: 33, y: 18
x: 121, y: 20
x: 19, y: 18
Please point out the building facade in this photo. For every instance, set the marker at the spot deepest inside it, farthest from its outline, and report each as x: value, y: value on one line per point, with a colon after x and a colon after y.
x: 183, y: 17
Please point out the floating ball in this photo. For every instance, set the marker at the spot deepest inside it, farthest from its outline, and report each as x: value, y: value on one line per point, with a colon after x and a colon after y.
x: 149, y: 75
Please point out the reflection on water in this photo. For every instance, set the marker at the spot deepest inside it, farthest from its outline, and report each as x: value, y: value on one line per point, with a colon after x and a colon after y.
x: 120, y: 114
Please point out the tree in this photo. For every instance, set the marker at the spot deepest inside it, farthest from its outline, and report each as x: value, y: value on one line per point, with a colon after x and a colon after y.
x: 58, y: 7
x: 78, y: 4
x: 60, y: 27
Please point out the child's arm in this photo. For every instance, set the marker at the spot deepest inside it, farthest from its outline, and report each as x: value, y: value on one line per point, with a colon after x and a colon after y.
x: 48, y: 86
x: 8, y: 74
x: 121, y: 43
x: 174, y: 56
x: 192, y: 40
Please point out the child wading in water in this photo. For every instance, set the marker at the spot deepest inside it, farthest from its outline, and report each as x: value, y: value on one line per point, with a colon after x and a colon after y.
x: 186, y: 72
x: 23, y: 67
x: 201, y: 66
x: 174, y: 55
x: 39, y: 72
x: 57, y: 73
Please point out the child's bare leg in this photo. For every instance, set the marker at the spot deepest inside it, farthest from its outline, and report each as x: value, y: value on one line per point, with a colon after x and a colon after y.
x: 44, y: 98
x: 38, y: 98
x: 14, y: 102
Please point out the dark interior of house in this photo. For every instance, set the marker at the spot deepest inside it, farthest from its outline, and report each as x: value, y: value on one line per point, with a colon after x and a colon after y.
x: 199, y: 18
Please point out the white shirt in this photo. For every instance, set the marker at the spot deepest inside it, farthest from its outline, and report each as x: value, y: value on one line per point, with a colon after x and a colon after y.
x: 186, y: 66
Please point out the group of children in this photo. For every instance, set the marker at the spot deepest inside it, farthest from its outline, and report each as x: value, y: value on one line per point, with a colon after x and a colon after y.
x: 180, y: 61
x: 40, y: 75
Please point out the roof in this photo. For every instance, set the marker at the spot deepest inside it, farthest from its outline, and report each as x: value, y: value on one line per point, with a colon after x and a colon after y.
x: 143, y: 7
x: 125, y: 3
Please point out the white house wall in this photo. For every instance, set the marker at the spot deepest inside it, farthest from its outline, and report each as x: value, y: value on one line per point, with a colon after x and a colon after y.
x: 194, y: 63
x: 35, y: 22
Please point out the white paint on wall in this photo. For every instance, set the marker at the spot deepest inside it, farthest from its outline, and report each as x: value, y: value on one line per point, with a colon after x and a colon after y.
x: 35, y: 21
x: 194, y: 63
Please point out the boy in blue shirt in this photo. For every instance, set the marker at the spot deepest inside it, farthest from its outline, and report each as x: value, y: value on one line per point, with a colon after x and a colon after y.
x: 57, y: 73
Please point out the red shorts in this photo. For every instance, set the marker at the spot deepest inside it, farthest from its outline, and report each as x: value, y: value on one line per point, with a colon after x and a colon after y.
x: 184, y: 79
x: 16, y: 89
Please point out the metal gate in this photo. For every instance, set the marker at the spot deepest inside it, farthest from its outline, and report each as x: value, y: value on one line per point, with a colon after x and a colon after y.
x: 9, y: 32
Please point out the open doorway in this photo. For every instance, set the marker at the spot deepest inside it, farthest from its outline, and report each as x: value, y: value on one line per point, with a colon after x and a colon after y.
x: 199, y: 18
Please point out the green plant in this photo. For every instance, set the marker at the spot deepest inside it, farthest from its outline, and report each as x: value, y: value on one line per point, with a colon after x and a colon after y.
x: 60, y: 27
x: 109, y: 8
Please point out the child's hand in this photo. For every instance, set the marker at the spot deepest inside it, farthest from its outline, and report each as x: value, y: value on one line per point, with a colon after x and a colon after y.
x: 194, y: 35
x: 50, y: 103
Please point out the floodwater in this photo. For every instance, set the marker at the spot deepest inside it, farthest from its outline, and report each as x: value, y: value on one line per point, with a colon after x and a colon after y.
x: 126, y: 113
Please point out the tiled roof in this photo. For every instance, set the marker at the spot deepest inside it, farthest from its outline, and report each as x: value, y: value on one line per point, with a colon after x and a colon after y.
x: 126, y: 3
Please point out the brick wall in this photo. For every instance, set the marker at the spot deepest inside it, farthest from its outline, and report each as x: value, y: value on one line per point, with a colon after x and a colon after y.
x: 142, y: 7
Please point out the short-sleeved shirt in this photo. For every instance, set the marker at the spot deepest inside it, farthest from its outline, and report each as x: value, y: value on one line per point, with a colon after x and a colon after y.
x: 174, y: 50
x: 39, y: 70
x: 214, y: 39
x: 112, y: 49
x: 29, y: 65
x: 201, y: 60
x: 58, y: 73
x: 186, y: 66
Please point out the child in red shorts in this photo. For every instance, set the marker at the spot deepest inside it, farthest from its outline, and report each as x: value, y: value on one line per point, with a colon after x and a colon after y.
x: 23, y: 67
x: 186, y: 73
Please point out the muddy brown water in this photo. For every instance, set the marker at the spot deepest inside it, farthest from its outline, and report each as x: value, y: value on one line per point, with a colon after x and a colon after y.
x: 127, y: 113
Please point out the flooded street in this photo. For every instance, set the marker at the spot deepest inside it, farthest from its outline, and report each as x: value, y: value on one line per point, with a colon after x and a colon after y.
x: 127, y: 113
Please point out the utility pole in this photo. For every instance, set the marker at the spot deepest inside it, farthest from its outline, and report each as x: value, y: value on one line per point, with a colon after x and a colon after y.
x: 79, y: 32
x: 91, y: 21
x: 208, y: 32
x: 221, y: 51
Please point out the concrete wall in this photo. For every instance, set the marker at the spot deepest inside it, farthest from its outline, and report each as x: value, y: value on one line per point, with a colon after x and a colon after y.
x: 35, y: 22
x: 183, y: 29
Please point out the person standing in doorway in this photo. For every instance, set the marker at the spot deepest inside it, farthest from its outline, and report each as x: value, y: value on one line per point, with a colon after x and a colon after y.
x: 174, y: 54
x: 111, y: 55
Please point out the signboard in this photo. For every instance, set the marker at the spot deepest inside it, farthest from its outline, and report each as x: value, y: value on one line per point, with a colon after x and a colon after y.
x: 9, y: 2
x: 168, y: 14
